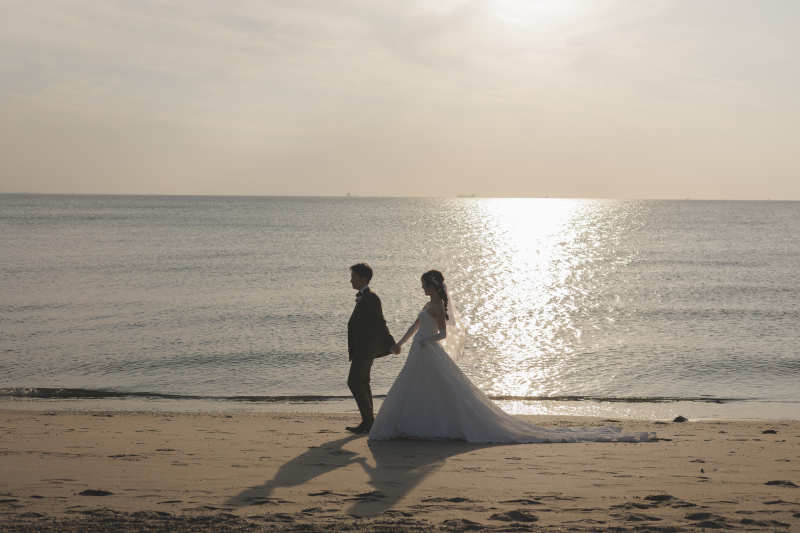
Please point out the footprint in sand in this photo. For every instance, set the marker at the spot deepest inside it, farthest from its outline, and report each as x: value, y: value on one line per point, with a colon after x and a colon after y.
x: 520, y: 515
x: 708, y: 520
x: 394, y: 513
x: 325, y: 493
x: 92, y: 492
x: 278, y: 517
x: 781, y: 483
x: 523, y: 502
x: 266, y: 501
x: 631, y: 505
x: 457, y: 499
x: 642, y: 518
x: 659, y: 498
x: 764, y: 523
x: 373, y: 496
x: 126, y: 457
x: 341, y: 452
x: 462, y: 524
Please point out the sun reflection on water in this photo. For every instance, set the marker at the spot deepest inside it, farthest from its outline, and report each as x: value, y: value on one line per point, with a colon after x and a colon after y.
x: 545, y: 262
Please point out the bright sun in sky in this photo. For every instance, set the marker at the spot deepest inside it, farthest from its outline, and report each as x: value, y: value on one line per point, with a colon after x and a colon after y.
x: 541, y: 15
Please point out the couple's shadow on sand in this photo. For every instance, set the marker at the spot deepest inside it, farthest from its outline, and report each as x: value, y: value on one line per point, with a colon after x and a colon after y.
x: 394, y: 468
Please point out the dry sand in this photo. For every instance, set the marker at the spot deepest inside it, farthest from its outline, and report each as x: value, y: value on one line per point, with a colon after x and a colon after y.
x: 121, y: 471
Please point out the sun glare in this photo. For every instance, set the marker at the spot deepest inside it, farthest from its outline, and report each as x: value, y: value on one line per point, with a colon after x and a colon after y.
x: 540, y: 15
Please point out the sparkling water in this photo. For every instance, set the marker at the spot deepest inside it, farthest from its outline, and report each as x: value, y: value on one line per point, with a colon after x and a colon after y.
x: 592, y: 307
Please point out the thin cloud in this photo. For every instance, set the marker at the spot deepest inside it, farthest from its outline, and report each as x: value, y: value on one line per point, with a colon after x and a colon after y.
x: 506, y: 97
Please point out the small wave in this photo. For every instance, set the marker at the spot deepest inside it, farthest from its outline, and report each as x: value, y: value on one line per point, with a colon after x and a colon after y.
x: 626, y: 399
x: 48, y: 393
x: 77, y: 393
x: 54, y: 393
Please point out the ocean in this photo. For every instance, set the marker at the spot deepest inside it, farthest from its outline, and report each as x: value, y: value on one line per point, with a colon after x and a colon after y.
x: 573, y: 307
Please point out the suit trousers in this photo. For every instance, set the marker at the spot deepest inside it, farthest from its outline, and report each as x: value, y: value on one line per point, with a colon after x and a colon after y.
x: 358, y: 381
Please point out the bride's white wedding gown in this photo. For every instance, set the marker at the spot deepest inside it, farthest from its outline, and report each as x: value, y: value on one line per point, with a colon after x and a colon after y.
x: 433, y: 399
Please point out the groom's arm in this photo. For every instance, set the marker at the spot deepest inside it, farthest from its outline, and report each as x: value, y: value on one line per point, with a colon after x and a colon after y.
x: 377, y: 321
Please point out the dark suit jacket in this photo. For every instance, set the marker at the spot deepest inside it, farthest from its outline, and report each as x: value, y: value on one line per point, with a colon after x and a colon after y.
x: 367, y: 334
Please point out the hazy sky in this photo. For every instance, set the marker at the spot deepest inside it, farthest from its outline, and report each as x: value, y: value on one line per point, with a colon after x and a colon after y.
x: 568, y: 98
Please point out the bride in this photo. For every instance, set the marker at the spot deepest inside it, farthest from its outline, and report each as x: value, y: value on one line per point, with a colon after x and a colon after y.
x: 432, y: 399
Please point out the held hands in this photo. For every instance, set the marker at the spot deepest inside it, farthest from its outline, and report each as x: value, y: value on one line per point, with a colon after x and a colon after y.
x: 395, y: 349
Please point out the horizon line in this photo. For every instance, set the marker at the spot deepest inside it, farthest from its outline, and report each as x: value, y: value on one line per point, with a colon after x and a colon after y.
x: 345, y: 196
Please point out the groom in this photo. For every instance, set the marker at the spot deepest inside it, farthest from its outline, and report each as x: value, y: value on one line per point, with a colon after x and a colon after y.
x: 367, y: 339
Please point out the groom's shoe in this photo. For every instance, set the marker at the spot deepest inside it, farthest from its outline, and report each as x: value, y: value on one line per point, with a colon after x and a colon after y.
x: 363, y: 427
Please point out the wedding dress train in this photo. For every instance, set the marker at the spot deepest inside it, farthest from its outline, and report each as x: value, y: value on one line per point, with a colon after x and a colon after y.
x: 433, y: 399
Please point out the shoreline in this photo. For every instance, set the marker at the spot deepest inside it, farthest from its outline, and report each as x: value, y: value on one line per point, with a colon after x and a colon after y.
x: 592, y: 408
x: 271, y: 471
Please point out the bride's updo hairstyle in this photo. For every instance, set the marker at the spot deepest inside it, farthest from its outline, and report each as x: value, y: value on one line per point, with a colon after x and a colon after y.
x: 435, y: 279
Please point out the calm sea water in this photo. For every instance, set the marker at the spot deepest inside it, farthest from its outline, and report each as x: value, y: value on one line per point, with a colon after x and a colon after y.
x: 590, y: 307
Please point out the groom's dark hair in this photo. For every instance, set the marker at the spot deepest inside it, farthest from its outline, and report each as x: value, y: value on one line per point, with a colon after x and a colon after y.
x: 362, y: 270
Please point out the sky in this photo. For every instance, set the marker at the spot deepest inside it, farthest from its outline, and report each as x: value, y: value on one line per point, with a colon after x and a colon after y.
x: 497, y: 98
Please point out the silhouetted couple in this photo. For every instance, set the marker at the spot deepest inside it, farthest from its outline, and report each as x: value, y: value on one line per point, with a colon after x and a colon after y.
x: 431, y: 398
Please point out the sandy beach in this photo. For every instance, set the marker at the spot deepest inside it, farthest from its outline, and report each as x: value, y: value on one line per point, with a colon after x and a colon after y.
x: 102, y: 471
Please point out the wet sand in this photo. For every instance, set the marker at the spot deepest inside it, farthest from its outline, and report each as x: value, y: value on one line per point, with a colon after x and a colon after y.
x: 123, y: 471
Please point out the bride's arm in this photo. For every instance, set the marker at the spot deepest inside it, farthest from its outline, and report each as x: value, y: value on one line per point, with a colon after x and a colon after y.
x: 413, y: 329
